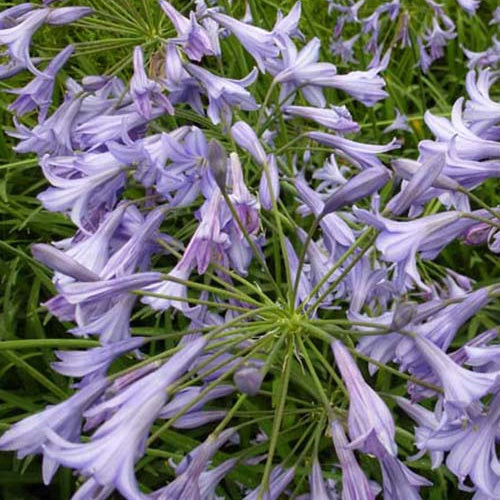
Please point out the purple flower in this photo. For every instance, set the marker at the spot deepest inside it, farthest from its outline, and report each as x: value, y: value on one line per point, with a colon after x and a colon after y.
x: 363, y: 184
x: 437, y: 39
x: 38, y: 93
x: 363, y: 155
x: 181, y: 85
x: 400, y: 241
x: 66, y: 15
x: 119, y: 442
x: 365, y: 86
x: 399, y: 123
x: 259, y: 43
x: 29, y: 435
x: 345, y: 49
x: 355, y: 485
x: 336, y: 118
x: 194, y: 39
x: 317, y: 484
x: 349, y: 11
x: 188, y: 483
x: 224, y: 94
x: 248, y: 379
x: 461, y: 387
x: 278, y: 481
x: 18, y: 37
x: 371, y: 426
x: 495, y: 18
x: 75, y: 195
x: 62, y: 263
x: 269, y: 192
x: 144, y: 90
x: 475, y: 455
x: 399, y: 481
x: 247, y: 139
x: 92, y: 363
x: 288, y: 25
x: 480, y: 108
x: 417, y: 186
x: 425, y: 60
x: 301, y: 69
x: 470, y: 6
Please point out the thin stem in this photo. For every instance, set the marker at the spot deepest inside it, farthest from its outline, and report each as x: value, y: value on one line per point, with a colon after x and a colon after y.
x: 277, y: 420
x: 249, y: 240
x: 346, y: 271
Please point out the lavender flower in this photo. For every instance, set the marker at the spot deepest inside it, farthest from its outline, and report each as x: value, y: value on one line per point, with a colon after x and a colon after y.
x: 371, y: 426
x: 144, y: 90
x: 301, y: 69
x: 336, y: 118
x: 38, y: 93
x: 399, y: 123
x: 399, y: 481
x: 461, y: 387
x: 194, y: 39
x: 110, y: 455
x: 278, y: 481
x: 224, y: 94
x: 260, y: 44
x: 355, y: 485
x: 30, y: 435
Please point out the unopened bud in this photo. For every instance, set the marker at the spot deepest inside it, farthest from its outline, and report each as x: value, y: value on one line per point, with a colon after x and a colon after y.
x: 248, y: 380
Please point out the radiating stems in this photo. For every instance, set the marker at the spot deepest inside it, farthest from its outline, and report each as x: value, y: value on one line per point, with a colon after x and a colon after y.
x: 364, y: 242
x: 281, y: 234
x: 249, y: 240
x: 278, y: 419
x: 302, y: 257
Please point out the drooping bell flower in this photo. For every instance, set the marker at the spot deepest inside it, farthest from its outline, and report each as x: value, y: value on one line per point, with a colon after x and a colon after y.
x: 371, y: 425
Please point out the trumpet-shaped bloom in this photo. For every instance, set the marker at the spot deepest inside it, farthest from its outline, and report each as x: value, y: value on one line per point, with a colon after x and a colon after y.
x: 259, y: 43
x: 461, y: 387
x: 194, y: 39
x: 224, y: 93
x: 336, y: 118
x: 145, y: 90
x: 38, y: 93
x: 355, y: 485
x: 399, y: 481
x: 363, y: 155
x: 371, y: 426
x: 31, y: 434
x: 118, y: 443
x: 301, y: 69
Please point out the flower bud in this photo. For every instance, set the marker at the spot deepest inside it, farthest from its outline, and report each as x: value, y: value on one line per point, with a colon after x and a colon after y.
x: 248, y: 379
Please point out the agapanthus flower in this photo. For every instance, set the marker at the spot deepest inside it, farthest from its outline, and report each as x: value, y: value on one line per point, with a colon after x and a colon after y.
x: 301, y: 69
x: 194, y: 39
x: 371, y: 426
x: 399, y: 123
x: 38, y: 93
x: 145, y: 90
x: 399, y: 481
x: 344, y: 49
x: 30, y: 435
x: 224, y: 94
x: 278, y: 481
x: 116, y: 445
x: 355, y: 485
x: 259, y: 43
x: 461, y: 387
x: 363, y: 155
x: 336, y: 118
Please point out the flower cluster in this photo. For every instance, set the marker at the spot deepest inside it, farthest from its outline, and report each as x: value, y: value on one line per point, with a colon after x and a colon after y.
x: 191, y: 201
